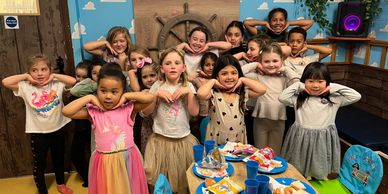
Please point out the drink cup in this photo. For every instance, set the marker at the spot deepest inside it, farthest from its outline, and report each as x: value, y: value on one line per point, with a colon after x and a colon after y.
x: 198, y: 152
x: 252, y: 168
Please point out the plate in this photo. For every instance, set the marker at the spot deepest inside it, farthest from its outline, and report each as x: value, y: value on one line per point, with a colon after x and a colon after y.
x: 276, y: 170
x: 229, y: 170
x: 230, y: 159
x: 202, y: 185
x: 288, y: 181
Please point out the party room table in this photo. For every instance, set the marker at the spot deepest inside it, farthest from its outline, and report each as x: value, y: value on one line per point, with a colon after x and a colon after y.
x: 240, y: 175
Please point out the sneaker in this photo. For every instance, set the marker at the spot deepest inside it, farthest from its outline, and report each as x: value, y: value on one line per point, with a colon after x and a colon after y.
x: 64, y: 190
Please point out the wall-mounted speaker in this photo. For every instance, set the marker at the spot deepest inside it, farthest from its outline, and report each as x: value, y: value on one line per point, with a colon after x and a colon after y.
x: 351, y: 20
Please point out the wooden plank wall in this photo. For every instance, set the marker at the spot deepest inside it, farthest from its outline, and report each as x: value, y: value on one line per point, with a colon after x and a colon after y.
x: 147, y: 27
x: 48, y: 33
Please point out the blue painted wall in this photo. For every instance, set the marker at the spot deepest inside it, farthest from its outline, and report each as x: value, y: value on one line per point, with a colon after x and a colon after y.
x: 91, y: 20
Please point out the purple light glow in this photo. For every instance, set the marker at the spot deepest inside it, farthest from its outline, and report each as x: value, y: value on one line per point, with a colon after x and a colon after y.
x: 352, y: 22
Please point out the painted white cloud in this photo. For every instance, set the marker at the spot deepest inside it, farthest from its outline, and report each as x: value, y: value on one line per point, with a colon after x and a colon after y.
x: 283, y: 1
x: 113, y: 1
x: 102, y: 38
x: 360, y: 52
x: 375, y: 64
x: 89, y: 6
x: 385, y: 29
x: 319, y: 35
x: 79, y: 30
x: 263, y: 6
x: 300, y: 18
x: 132, y: 29
x: 372, y: 34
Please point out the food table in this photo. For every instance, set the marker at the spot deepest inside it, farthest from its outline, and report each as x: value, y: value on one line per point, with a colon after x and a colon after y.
x: 240, y: 175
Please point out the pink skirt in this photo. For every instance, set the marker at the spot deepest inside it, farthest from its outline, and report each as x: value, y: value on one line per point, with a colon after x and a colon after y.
x: 117, y: 173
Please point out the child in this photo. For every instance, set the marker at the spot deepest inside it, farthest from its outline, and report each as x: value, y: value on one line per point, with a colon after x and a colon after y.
x: 234, y: 34
x: 41, y: 91
x: 80, y: 146
x: 197, y: 45
x: 136, y: 57
x: 297, y: 41
x: 170, y: 148
x: 269, y: 114
x: 114, y: 49
x: 276, y: 25
x: 87, y: 85
x: 116, y: 165
x: 312, y: 143
x: 207, y: 64
x: 146, y: 75
x: 228, y: 94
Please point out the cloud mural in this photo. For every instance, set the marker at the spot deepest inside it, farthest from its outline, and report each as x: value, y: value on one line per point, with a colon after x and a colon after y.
x: 79, y: 30
x: 132, y: 29
x: 360, y: 52
x: 374, y: 64
x: 113, y: 1
x: 385, y: 29
x: 263, y: 6
x: 89, y: 6
x: 283, y: 1
x: 319, y: 35
x: 102, y: 38
x: 372, y: 34
x: 300, y: 18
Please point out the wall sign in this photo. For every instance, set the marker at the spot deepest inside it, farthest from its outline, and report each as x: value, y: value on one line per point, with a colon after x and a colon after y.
x: 19, y: 7
x: 11, y: 22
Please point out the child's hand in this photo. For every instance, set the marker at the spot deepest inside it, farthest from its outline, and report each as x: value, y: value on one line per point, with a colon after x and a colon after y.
x: 94, y: 100
x: 164, y: 95
x: 246, y: 58
x: 188, y: 48
x: 325, y: 91
x: 180, y: 92
x: 260, y: 68
x: 122, y: 100
x: 132, y: 72
x: 51, y: 77
x: 285, y: 27
x: 111, y: 49
x: 238, y: 84
x: 268, y: 26
x: 300, y: 53
x: 203, y: 74
x: 31, y: 80
x: 218, y: 85
x: 192, y: 75
x: 204, y: 49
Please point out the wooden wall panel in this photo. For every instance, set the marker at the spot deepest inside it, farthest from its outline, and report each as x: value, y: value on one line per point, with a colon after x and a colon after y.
x: 147, y: 27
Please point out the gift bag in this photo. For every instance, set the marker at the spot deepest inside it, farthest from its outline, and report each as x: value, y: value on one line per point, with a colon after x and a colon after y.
x: 162, y: 186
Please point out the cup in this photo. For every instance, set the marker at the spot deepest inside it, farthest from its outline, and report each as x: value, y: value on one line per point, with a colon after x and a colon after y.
x: 209, y: 145
x: 252, y: 167
x: 251, y: 186
x: 198, y: 152
x: 263, y: 183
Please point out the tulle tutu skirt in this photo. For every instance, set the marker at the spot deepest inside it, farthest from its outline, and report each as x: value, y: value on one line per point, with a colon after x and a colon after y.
x: 117, y: 173
x: 169, y: 156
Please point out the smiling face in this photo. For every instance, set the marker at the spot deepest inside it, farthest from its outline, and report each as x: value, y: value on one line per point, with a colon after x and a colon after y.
x: 253, y: 51
x: 197, y: 40
x: 277, y: 22
x: 208, y: 66
x: 172, y: 67
x: 228, y: 76
x: 119, y: 43
x: 234, y: 36
x: 271, y: 62
x: 315, y: 86
x: 296, y: 42
x: 109, y: 92
x: 148, y: 76
x: 40, y: 71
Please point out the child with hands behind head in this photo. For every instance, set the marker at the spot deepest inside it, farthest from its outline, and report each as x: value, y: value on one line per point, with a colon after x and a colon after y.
x: 169, y: 149
x: 312, y: 143
x: 198, y: 44
x: 114, y: 49
x: 42, y: 91
x: 228, y: 91
x: 116, y: 164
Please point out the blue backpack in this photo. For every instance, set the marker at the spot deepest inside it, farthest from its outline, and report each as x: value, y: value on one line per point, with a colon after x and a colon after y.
x: 361, y: 170
x: 162, y: 186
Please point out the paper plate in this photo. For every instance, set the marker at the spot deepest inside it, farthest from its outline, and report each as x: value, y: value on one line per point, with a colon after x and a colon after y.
x: 288, y: 181
x: 229, y: 170
x: 276, y: 170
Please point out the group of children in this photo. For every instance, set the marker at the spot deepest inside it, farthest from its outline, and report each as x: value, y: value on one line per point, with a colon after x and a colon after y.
x: 133, y: 102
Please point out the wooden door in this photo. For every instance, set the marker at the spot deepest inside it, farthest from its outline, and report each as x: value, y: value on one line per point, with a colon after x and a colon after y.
x: 48, y: 33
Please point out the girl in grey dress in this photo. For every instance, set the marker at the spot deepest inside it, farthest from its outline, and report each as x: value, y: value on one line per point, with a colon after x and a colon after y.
x: 312, y: 143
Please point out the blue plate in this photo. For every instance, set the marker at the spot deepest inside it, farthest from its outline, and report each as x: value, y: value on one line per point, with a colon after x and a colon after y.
x: 231, y: 159
x: 202, y: 185
x: 276, y: 170
x: 288, y: 181
x: 229, y: 170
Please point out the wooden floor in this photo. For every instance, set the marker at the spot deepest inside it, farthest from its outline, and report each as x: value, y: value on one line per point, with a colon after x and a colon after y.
x: 26, y: 184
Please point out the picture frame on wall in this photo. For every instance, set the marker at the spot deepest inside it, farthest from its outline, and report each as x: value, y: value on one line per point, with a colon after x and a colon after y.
x: 20, y: 7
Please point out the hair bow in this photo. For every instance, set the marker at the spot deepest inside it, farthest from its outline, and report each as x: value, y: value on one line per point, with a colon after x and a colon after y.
x: 140, y: 64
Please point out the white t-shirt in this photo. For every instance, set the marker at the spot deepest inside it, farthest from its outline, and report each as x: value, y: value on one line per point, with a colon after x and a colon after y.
x: 43, y: 106
x: 171, y: 119
x: 299, y: 63
x: 192, y: 60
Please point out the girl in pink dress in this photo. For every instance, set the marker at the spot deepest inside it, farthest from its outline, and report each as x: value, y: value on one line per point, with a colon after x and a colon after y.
x: 116, y: 164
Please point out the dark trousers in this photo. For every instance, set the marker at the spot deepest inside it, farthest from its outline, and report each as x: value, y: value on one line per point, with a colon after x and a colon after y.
x: 40, y: 145
x: 249, y: 126
x: 80, y: 153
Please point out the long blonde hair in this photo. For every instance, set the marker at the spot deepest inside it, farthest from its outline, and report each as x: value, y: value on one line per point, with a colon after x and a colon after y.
x: 184, y: 76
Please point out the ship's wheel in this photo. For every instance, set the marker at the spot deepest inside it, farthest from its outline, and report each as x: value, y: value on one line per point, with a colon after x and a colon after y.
x: 186, y: 19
